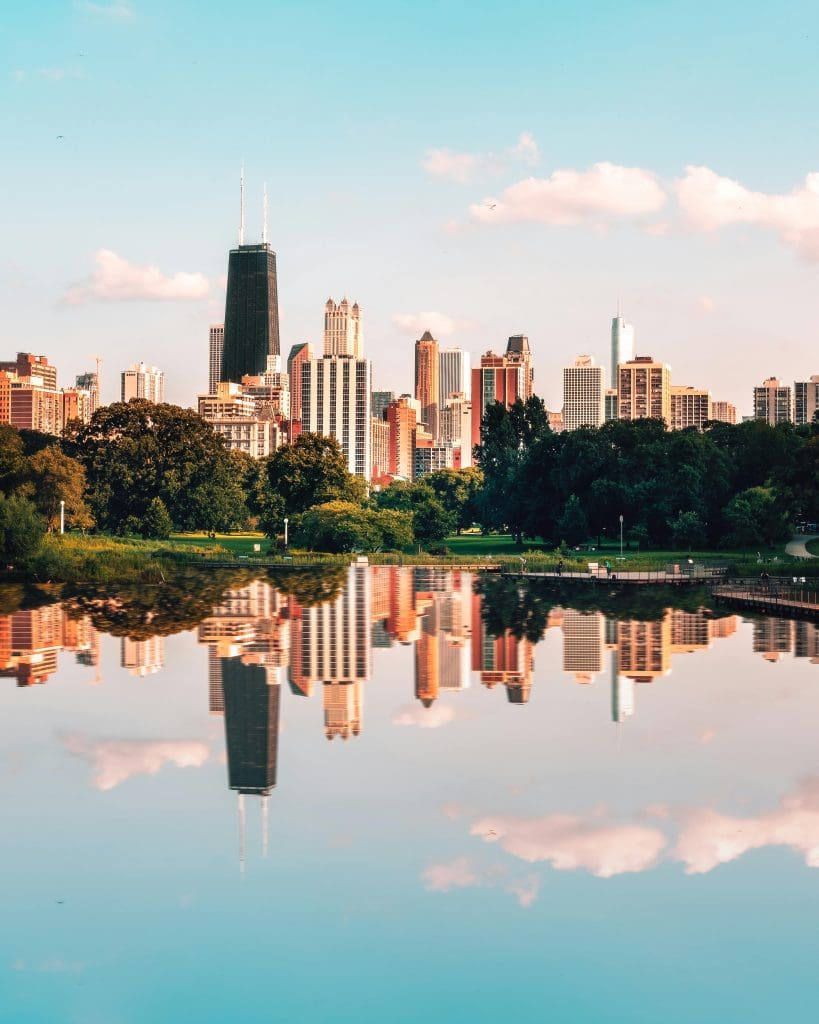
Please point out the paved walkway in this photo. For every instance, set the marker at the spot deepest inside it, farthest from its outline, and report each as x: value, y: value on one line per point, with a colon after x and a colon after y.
x: 796, y: 547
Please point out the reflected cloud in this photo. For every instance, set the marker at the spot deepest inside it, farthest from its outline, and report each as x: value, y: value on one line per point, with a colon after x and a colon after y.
x: 708, y: 838
x: 569, y: 842
x: 116, y: 761
x: 425, y: 718
x: 461, y: 873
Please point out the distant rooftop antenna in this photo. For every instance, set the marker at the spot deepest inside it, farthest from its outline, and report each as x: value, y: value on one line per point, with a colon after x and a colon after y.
x: 242, y: 206
x: 264, y: 214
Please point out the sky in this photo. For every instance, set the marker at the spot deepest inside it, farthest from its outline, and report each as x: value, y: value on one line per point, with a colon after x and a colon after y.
x: 478, y: 169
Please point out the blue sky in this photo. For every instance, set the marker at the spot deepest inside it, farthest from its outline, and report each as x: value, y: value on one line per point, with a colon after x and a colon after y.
x: 390, y: 140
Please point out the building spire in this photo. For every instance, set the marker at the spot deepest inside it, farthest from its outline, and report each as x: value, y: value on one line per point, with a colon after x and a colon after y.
x: 241, y: 834
x: 242, y: 206
x: 264, y: 214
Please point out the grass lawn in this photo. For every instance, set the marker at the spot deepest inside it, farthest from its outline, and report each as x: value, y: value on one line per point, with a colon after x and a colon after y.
x: 477, y: 544
x: 813, y: 546
x: 238, y: 543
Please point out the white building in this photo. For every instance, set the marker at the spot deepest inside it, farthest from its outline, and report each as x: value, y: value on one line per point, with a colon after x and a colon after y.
x: 343, y: 335
x: 142, y: 657
x: 622, y: 345
x: 806, y: 399
x: 584, y: 394
x: 456, y: 426
x: 336, y: 396
x: 216, y: 344
x: 141, y: 381
x: 773, y: 402
x: 454, y: 373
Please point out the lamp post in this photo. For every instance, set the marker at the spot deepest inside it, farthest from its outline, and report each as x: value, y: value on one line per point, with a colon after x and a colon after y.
x: 62, y: 517
x: 621, y: 536
x: 286, y: 521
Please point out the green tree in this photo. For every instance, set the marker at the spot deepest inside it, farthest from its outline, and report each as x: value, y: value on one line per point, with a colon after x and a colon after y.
x: 458, y: 491
x: 430, y: 520
x: 688, y: 531
x: 21, y: 531
x: 156, y: 522
x: 312, y: 471
x: 572, y: 524
x: 56, y: 477
x: 12, y: 460
x: 755, y: 517
x: 338, y: 526
x: 136, y: 451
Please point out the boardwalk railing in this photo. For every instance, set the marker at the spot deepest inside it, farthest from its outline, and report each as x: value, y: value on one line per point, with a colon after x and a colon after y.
x: 776, y: 593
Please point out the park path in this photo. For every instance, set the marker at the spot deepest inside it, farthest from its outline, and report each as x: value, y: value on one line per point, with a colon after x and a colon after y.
x: 796, y: 547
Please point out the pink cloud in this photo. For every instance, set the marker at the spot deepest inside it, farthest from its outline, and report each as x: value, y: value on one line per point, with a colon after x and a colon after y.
x: 117, y: 280
x: 708, y: 838
x: 465, y: 167
x: 444, y: 163
x: 569, y: 842
x: 438, y: 324
x: 116, y: 761
x: 710, y: 201
x: 425, y: 718
x: 462, y: 874
x: 574, y: 197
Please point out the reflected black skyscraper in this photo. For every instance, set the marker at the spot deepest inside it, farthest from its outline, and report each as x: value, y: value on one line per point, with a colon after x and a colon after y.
x: 251, y: 727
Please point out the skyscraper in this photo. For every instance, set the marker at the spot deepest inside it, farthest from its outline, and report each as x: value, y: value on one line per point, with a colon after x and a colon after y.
x: 342, y: 329
x: 517, y: 348
x: 454, y: 374
x: 806, y: 399
x: 498, y: 379
x: 216, y: 338
x: 583, y: 394
x: 141, y: 381
x: 381, y: 399
x: 690, y: 407
x: 725, y: 412
x: 622, y: 345
x: 299, y: 355
x: 336, y: 401
x: 773, y: 402
x: 644, y: 390
x: 402, y: 420
x: 90, y: 382
x: 251, y: 311
x: 426, y: 381
x: 251, y: 709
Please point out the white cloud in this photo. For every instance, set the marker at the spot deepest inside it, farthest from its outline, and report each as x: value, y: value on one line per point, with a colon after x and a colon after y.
x: 709, y: 201
x: 568, y: 842
x: 116, y: 761
x: 461, y: 873
x: 425, y: 718
x: 466, y: 167
x: 438, y: 324
x: 707, y: 305
x: 574, y: 197
x: 708, y: 838
x: 118, y: 10
x: 117, y: 280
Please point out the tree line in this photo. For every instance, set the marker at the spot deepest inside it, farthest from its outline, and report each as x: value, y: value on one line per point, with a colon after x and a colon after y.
x: 736, y: 486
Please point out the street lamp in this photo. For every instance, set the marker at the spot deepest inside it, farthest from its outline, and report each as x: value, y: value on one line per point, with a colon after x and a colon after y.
x: 286, y: 521
x: 621, y: 536
x: 62, y: 517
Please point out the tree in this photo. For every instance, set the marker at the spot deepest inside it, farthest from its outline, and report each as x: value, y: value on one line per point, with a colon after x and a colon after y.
x: 312, y: 471
x: 755, y: 517
x: 458, y: 491
x: 56, y: 477
x: 573, y: 525
x: 136, y: 451
x: 156, y: 522
x: 12, y: 461
x: 21, y: 531
x: 430, y: 520
x: 688, y: 531
x: 338, y: 526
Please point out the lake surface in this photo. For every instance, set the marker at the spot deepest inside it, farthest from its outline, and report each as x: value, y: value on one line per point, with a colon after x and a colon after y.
x: 388, y: 807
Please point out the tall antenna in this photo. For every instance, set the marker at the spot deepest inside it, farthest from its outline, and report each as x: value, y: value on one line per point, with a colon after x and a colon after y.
x: 241, y: 834
x: 264, y: 214
x: 98, y: 361
x: 242, y: 206
x: 265, y: 825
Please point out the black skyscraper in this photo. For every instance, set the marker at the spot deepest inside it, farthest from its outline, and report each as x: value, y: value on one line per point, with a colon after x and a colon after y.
x: 251, y: 727
x: 251, y: 312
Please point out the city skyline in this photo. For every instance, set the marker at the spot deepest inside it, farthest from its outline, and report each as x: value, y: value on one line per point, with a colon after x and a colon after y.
x: 538, y: 220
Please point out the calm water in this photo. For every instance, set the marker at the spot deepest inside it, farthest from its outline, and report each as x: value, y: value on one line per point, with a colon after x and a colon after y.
x: 387, y: 807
